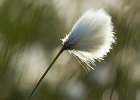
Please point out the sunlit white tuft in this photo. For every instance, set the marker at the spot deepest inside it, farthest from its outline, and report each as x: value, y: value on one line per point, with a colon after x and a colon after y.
x: 90, y: 38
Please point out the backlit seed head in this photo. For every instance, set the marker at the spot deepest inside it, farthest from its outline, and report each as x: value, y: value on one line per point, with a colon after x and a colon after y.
x: 91, y: 37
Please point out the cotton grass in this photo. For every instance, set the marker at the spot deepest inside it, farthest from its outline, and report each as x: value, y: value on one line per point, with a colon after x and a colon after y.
x: 90, y: 38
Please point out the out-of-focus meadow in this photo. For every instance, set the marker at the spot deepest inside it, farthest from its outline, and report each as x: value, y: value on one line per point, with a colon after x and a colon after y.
x: 30, y: 33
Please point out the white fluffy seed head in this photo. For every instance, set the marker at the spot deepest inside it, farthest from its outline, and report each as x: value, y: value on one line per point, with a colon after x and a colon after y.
x: 91, y: 37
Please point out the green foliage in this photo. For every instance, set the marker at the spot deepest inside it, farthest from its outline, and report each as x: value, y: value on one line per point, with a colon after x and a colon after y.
x: 30, y: 30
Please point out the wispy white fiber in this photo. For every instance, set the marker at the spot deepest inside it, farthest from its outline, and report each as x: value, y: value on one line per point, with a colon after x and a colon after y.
x: 91, y: 37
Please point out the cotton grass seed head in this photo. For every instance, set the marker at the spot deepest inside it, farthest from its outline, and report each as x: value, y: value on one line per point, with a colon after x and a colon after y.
x: 90, y: 38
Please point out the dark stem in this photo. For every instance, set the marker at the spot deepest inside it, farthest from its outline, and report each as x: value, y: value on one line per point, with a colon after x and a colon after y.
x: 111, y: 94
x: 42, y: 77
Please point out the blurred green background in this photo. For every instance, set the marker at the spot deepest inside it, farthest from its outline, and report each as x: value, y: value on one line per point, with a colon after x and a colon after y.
x: 30, y: 33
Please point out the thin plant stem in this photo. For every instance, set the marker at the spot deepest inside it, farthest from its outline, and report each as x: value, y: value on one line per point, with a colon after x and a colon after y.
x: 111, y: 94
x: 42, y: 77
